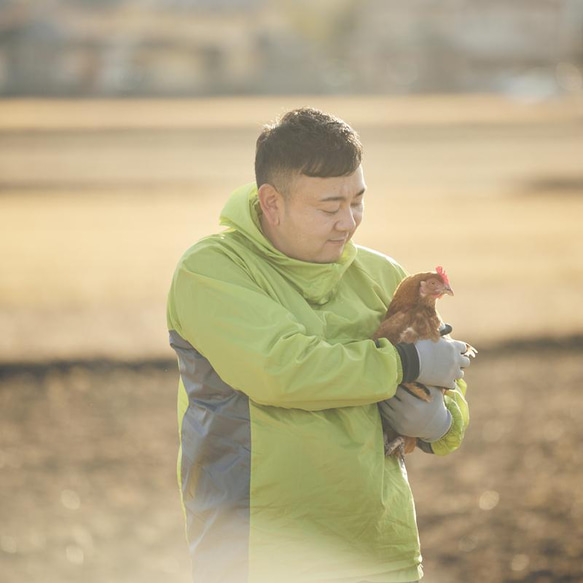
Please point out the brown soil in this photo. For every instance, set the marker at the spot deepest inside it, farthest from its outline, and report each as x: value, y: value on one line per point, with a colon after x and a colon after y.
x: 88, y: 490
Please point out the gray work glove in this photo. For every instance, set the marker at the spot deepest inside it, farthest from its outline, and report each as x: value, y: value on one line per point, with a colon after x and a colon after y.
x: 409, y: 415
x: 441, y: 362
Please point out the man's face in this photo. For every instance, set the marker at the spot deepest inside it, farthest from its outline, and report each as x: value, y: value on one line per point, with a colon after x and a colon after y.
x: 319, y: 216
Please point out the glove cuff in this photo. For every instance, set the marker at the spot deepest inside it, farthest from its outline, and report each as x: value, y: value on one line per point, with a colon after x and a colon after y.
x: 409, y: 361
x: 424, y: 446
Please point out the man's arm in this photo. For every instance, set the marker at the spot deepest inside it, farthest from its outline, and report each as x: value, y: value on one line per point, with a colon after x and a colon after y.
x: 258, y: 347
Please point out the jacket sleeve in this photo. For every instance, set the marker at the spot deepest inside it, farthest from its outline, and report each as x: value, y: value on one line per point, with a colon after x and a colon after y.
x: 257, y: 346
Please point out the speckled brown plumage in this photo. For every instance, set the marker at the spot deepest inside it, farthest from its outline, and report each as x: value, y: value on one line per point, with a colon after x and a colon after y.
x: 412, y: 316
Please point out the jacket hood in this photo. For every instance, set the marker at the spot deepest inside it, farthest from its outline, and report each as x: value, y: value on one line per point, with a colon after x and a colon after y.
x: 317, y: 282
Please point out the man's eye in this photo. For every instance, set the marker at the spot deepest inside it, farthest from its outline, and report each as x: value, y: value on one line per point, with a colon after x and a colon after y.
x: 330, y: 212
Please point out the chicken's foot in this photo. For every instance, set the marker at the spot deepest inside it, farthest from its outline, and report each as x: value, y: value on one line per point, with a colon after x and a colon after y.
x: 396, y: 445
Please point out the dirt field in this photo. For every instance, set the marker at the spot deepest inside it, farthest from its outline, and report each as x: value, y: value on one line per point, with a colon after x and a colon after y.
x: 99, y: 199
x: 88, y: 489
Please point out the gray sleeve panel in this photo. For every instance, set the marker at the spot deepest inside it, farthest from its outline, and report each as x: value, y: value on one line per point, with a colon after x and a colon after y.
x: 215, y: 469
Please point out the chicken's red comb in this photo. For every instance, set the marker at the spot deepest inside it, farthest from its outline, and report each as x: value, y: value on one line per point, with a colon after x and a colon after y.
x: 442, y: 273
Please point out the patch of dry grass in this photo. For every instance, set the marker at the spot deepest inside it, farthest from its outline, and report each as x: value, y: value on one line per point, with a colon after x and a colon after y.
x: 101, y: 199
x: 229, y: 112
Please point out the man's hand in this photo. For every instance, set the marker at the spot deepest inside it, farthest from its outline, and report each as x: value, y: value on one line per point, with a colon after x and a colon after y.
x: 408, y: 415
x: 441, y: 362
x: 458, y: 407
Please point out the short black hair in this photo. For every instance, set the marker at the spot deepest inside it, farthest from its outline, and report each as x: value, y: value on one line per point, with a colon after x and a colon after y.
x: 305, y: 141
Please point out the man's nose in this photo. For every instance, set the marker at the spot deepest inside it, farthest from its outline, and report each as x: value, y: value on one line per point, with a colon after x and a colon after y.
x: 347, y: 222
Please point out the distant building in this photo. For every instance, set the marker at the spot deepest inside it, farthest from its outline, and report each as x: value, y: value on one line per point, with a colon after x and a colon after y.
x: 210, y: 47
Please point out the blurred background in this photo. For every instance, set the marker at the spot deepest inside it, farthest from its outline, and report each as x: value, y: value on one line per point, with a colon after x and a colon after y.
x: 124, y: 126
x: 225, y: 47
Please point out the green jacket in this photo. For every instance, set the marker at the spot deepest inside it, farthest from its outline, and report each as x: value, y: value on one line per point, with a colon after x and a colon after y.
x: 281, y: 463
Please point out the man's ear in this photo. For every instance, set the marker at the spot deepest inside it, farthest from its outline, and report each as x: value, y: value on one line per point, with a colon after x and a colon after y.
x: 271, y: 202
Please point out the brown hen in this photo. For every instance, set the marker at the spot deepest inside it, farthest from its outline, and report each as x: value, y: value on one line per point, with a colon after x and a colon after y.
x: 412, y: 316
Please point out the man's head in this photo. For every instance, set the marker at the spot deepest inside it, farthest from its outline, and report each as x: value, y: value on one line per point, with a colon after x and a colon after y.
x: 310, y: 183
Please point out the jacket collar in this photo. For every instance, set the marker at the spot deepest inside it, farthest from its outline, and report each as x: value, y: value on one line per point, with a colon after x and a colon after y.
x: 317, y: 282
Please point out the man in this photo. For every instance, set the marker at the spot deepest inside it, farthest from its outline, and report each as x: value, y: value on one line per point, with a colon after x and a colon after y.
x: 281, y: 465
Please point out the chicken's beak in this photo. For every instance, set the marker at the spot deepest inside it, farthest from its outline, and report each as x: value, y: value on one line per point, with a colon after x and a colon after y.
x: 447, y: 290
